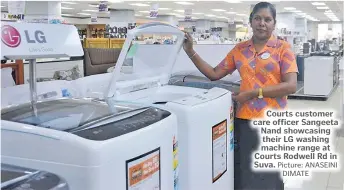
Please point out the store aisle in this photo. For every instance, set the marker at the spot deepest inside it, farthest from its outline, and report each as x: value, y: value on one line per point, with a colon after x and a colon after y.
x: 327, y: 180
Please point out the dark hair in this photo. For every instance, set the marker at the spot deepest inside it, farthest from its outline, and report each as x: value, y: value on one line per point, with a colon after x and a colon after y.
x: 263, y: 5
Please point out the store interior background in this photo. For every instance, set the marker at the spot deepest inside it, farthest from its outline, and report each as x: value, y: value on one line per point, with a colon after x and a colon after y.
x: 216, y: 26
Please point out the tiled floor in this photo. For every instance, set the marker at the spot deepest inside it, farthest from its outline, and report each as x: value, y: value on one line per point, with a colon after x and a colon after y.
x: 327, y: 180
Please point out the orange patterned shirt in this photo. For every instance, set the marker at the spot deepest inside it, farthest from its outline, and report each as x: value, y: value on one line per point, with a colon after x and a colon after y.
x: 258, y: 70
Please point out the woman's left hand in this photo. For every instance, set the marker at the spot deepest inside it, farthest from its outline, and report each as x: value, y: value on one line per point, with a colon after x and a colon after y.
x: 242, y: 97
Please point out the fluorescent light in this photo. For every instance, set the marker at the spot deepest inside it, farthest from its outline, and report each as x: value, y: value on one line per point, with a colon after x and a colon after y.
x: 179, y: 16
x: 297, y: 11
x: 318, y: 4
x: 323, y: 8
x: 289, y: 8
x: 70, y: 3
x: 138, y: 15
x: 218, y: 10
x: 144, y: 11
x: 66, y: 8
x: 164, y: 9
x: 302, y: 14
x: 233, y: 1
x: 83, y: 13
x: 230, y: 12
x: 198, y: 13
x: 140, y: 4
x: 222, y: 17
x: 179, y: 11
x: 210, y: 15
x: 67, y: 15
x: 184, y: 3
x: 93, y: 5
x: 239, y: 25
x: 89, y: 10
x: 241, y: 14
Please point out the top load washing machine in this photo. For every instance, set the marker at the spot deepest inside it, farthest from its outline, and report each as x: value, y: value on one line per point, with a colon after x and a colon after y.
x: 92, y: 144
x: 18, y: 178
x: 205, y: 139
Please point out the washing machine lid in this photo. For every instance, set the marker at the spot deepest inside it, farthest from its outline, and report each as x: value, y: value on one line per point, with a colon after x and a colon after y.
x: 14, y: 177
x: 140, y: 65
x: 67, y: 114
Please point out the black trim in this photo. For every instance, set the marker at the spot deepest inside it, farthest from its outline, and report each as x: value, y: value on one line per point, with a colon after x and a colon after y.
x: 138, y: 157
x: 212, y: 151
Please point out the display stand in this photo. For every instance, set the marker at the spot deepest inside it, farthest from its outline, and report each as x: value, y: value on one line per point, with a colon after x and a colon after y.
x: 26, y: 42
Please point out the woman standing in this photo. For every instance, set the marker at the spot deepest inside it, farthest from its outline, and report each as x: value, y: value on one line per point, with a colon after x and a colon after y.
x: 268, y: 71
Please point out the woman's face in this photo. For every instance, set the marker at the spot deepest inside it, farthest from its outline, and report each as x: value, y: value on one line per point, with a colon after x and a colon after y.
x: 263, y: 24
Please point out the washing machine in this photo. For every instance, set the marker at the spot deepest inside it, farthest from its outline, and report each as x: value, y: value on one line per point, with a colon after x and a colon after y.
x: 205, y: 138
x: 92, y: 144
x: 19, y: 178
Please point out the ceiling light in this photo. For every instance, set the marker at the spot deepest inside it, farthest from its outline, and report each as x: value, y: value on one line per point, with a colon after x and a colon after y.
x: 289, y: 8
x: 230, y: 12
x: 66, y: 8
x: 297, y: 11
x: 233, y: 1
x: 89, y: 10
x: 179, y: 11
x: 302, y: 14
x: 179, y: 16
x: 93, y: 5
x: 218, y: 10
x: 70, y: 3
x: 198, y: 13
x: 318, y: 4
x: 241, y: 14
x: 184, y: 3
x: 162, y: 9
x: 144, y: 11
x: 138, y: 15
x: 222, y: 17
x: 239, y: 25
x: 140, y: 4
x: 323, y: 8
x: 83, y: 13
x: 210, y: 15
x: 66, y: 15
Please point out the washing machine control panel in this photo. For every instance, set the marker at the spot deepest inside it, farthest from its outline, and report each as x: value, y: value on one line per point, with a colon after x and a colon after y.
x: 124, y: 126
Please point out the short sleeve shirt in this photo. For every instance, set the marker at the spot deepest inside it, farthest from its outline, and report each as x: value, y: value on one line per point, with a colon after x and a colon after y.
x: 258, y: 70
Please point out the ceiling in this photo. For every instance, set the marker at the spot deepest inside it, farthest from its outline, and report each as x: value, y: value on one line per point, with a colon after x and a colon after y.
x: 214, y: 10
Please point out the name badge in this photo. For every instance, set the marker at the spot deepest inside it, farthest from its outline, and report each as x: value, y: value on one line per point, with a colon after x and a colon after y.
x: 265, y: 55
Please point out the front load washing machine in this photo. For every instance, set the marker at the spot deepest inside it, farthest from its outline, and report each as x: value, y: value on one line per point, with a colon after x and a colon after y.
x: 19, y: 178
x: 92, y: 144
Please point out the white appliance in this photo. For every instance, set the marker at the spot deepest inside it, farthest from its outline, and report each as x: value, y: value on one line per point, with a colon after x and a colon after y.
x: 13, y: 177
x: 89, y: 143
x: 319, y: 75
x: 206, y: 159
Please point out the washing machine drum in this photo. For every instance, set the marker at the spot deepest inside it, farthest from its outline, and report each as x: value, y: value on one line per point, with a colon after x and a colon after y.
x: 15, y: 178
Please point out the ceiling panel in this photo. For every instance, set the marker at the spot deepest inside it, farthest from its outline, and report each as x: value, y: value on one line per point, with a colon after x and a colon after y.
x: 204, y: 7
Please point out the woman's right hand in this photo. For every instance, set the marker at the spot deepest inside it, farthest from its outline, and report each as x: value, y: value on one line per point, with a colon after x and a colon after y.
x: 188, y: 43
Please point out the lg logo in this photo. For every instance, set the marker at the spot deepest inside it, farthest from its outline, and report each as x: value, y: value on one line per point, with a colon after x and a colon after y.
x: 11, y: 37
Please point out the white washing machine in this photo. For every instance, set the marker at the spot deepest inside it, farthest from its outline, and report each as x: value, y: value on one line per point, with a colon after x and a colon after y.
x: 206, y: 158
x: 91, y: 144
x: 19, y: 178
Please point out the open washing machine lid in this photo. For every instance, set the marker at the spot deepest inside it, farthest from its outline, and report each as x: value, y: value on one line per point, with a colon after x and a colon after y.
x: 142, y: 66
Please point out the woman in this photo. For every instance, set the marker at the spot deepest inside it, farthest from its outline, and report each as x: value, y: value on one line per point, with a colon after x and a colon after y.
x: 269, y: 73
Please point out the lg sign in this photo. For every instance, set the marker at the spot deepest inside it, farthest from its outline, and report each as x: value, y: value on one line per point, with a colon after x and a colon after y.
x: 11, y: 37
